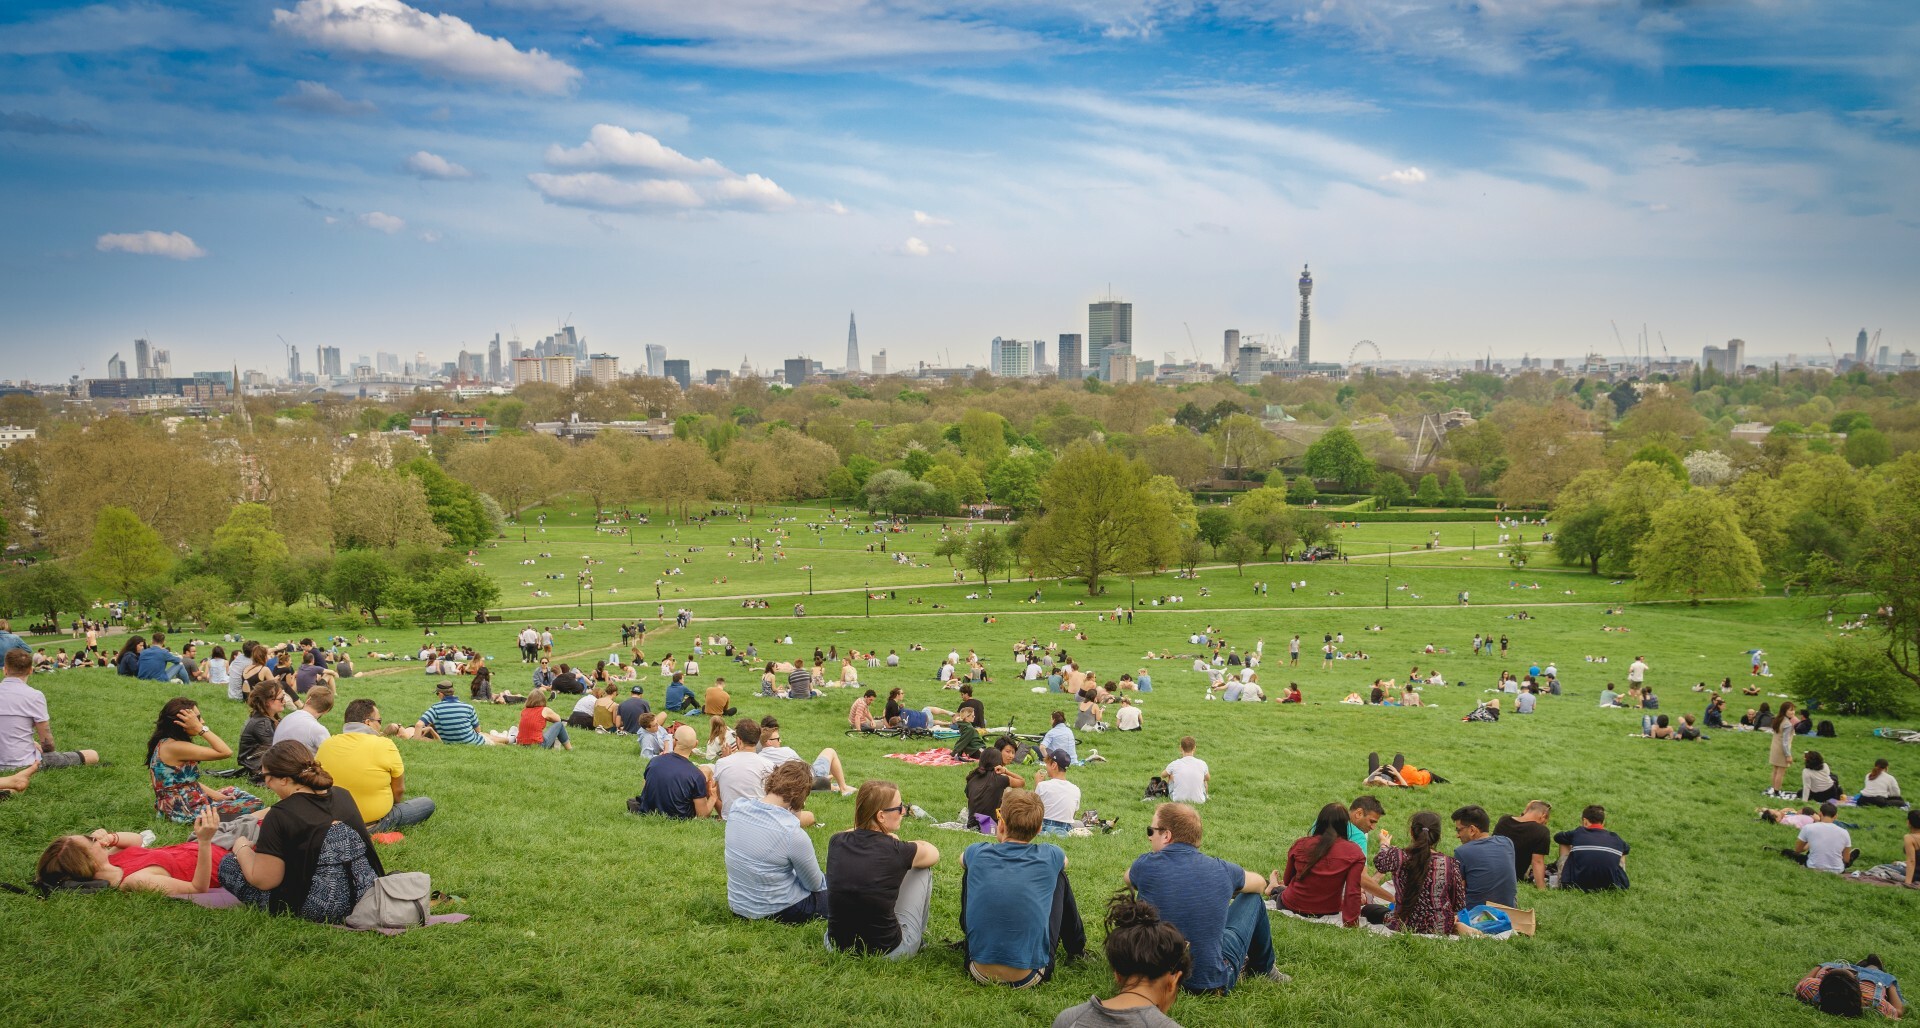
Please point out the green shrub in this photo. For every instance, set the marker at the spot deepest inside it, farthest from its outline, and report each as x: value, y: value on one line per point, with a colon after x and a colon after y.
x: 1850, y: 676
x: 398, y: 617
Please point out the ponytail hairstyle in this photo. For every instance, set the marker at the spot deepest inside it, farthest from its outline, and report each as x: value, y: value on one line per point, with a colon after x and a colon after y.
x: 167, y: 726
x: 1879, y: 768
x: 260, y: 697
x: 1424, y: 828
x: 989, y: 763
x: 1140, y: 946
x: 294, y: 762
x: 1329, y: 828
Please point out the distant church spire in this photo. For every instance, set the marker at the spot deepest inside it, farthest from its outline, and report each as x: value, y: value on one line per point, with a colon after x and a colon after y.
x: 853, y: 347
x: 240, y: 403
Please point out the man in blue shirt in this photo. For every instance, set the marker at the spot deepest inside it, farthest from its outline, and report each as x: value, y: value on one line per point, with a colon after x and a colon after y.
x: 543, y: 675
x: 1486, y: 860
x: 1217, y: 905
x: 158, y: 664
x: 679, y: 697
x: 453, y: 721
x: 772, y: 870
x: 9, y: 641
x: 1059, y: 738
x: 1016, y: 906
x: 1592, y: 858
x: 675, y: 785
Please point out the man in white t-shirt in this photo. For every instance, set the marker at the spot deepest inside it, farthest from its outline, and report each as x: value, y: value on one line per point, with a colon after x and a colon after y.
x: 1188, y: 777
x: 1060, y: 797
x: 1823, y: 845
x: 742, y: 774
x: 1637, y: 671
x: 1127, y: 718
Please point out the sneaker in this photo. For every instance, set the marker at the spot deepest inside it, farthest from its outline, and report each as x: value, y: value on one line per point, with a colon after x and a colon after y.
x: 1094, y: 757
x: 1278, y: 976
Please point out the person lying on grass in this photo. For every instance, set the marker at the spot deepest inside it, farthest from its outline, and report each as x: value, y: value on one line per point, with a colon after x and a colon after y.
x: 1849, y: 990
x: 123, y: 861
x: 1788, y: 816
x: 1149, y: 958
x: 1398, y: 774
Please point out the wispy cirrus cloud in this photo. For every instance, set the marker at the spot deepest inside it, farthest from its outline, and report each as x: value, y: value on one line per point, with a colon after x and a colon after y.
x: 172, y: 245
x: 319, y: 98
x: 440, y: 44
x: 633, y: 171
x: 30, y: 124
x: 422, y: 164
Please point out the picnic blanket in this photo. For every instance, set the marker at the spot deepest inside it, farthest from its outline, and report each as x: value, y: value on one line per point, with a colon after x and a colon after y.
x: 937, y: 757
x: 221, y: 899
x: 1377, y: 929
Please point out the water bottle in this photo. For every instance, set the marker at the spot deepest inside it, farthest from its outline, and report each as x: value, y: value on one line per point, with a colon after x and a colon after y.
x: 147, y: 838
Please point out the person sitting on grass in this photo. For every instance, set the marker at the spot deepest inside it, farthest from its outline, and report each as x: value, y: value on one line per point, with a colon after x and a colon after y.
x: 986, y: 787
x: 1428, y: 889
x: 1849, y: 990
x: 627, y: 714
x: 968, y: 744
x: 1149, y: 958
x: 1216, y: 904
x: 303, y: 725
x: 1823, y: 845
x: 1817, y: 780
x: 454, y: 722
x: 26, y: 733
x: 1016, y: 905
x: 1323, y: 871
x: 675, y: 786
x: 581, y: 714
x: 125, y: 862
x: 654, y: 737
x: 680, y: 699
x: 313, y: 856
x: 1486, y: 860
x: 1910, y: 846
x: 879, y: 886
x: 173, y: 762
x: 860, y: 715
x: 1880, y: 789
x: 1060, y: 796
x: 772, y: 871
x: 1716, y: 713
x: 828, y: 775
x: 367, y: 764
x: 1532, y: 840
x: 1592, y: 859
x: 718, y: 702
x: 266, y: 701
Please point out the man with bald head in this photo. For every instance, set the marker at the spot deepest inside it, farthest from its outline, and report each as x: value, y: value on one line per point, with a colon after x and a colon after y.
x: 675, y: 785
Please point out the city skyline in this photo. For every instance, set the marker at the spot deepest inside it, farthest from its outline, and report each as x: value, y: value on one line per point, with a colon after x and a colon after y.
x: 375, y: 176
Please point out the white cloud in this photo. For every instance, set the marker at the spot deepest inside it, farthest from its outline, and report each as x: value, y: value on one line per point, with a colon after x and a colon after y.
x: 441, y: 43
x: 604, y: 192
x: 914, y: 247
x: 317, y: 98
x: 836, y: 207
x: 434, y: 166
x: 1405, y: 176
x: 380, y: 221
x: 157, y: 244
x: 637, y: 172
x: 428, y: 235
x: 923, y: 218
x: 610, y: 146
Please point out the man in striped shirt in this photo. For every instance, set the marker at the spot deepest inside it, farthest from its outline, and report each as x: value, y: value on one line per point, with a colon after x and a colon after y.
x: 452, y: 721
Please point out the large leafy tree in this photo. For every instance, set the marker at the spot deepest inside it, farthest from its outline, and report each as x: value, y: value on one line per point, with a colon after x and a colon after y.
x: 245, y: 549
x: 1694, y: 547
x: 1261, y: 515
x: 986, y: 552
x: 1886, y: 567
x: 384, y: 510
x: 362, y: 578
x: 1337, y: 456
x: 124, y: 550
x: 454, y: 505
x: 1099, y: 518
x: 1242, y: 442
x: 46, y: 589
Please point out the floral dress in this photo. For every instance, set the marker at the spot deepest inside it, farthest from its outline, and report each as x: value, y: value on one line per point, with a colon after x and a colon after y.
x: 1434, y: 910
x: 177, y: 795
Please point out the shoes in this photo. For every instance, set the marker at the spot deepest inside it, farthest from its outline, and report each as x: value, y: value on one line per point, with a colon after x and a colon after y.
x: 1278, y: 976
x: 1094, y: 757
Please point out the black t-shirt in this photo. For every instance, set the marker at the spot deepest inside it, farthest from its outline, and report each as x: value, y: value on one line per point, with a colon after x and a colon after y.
x: 294, y: 830
x: 571, y: 684
x: 629, y: 712
x: 984, y: 792
x: 1530, y: 838
x: 864, y: 871
x: 979, y: 711
x: 893, y: 709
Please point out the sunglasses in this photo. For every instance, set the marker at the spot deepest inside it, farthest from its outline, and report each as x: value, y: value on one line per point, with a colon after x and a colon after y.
x: 899, y: 808
x: 1152, y: 829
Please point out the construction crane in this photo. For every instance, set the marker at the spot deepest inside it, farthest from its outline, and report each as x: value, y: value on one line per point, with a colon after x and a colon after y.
x: 1191, y: 343
x: 1833, y: 353
x: 1665, y: 357
x: 1618, y: 341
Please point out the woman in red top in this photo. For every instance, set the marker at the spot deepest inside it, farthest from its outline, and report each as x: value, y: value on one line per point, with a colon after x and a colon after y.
x: 119, y: 859
x: 1323, y: 871
x: 1427, y: 886
x: 539, y: 724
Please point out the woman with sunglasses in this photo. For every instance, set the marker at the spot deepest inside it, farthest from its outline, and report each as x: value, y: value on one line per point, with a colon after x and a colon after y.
x: 879, y: 886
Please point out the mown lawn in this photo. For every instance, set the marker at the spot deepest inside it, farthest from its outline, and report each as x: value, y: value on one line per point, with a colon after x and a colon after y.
x: 583, y: 913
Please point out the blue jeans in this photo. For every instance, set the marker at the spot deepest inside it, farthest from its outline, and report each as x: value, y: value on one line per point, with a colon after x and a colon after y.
x: 1247, y: 940
x: 404, y: 813
x: 555, y: 734
x: 1055, y: 828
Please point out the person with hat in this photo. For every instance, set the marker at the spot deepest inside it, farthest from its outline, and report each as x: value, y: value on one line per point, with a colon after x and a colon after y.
x: 452, y: 721
x: 1060, y: 798
x: 629, y: 711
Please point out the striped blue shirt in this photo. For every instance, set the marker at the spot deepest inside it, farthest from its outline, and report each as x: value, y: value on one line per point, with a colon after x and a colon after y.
x: 771, y: 864
x: 455, y: 721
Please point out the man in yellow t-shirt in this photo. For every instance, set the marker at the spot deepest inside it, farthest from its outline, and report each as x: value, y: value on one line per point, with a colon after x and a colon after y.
x: 367, y: 764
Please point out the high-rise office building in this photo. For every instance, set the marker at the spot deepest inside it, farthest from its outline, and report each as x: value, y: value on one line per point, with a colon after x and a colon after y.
x: 387, y: 364
x: 880, y: 364
x: 796, y: 370
x: 293, y: 364
x: 162, y: 366
x: 1860, y: 347
x: 329, y: 362
x: 1729, y: 360
x: 1883, y: 360
x: 718, y: 376
x: 515, y: 349
x: 604, y: 369
x: 1039, y: 355
x: 1232, y: 355
x: 525, y: 370
x: 143, y: 365
x: 1069, y: 357
x: 1304, y: 354
x: 1120, y: 368
x: 656, y: 360
x: 680, y: 371
x: 116, y: 368
x: 493, y: 359
x: 853, y: 347
x: 1109, y: 331
x: 1010, y: 358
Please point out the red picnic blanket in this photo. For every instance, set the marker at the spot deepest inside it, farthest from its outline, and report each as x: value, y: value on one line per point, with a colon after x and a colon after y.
x: 939, y: 756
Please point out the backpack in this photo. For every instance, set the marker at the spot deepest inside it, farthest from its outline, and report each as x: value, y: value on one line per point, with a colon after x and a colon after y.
x: 398, y: 900
x: 1825, y: 730
x: 1158, y: 789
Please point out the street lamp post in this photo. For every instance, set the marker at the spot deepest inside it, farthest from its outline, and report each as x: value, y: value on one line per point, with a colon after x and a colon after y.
x: 1475, y: 537
x: 1386, y: 592
x: 809, y: 580
x: 1131, y: 602
x: 868, y: 586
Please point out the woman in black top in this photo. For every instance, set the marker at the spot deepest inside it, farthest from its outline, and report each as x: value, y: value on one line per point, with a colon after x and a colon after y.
x: 266, y: 701
x: 314, y: 857
x: 986, y: 784
x: 879, y: 886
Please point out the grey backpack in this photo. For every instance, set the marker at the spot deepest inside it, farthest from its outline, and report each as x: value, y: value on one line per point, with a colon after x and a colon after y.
x: 396, y: 901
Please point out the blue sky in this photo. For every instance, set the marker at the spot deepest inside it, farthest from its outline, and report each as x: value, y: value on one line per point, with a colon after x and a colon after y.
x: 730, y: 179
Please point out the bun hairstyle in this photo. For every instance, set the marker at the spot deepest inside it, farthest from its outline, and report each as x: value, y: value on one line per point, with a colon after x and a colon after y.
x: 1140, y: 946
x: 294, y: 762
